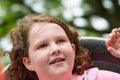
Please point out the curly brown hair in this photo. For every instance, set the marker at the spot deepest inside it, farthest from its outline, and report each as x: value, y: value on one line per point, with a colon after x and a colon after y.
x: 19, y: 39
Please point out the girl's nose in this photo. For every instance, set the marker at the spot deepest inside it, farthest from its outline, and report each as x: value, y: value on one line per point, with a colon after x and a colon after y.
x: 55, y: 49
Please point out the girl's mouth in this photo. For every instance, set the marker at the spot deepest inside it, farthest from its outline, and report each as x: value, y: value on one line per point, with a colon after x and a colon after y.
x: 57, y: 60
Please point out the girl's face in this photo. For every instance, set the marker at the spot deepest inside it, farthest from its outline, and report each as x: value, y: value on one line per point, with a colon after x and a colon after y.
x: 50, y: 51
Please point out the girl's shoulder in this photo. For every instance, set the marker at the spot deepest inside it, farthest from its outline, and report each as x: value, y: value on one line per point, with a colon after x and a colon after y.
x: 96, y: 74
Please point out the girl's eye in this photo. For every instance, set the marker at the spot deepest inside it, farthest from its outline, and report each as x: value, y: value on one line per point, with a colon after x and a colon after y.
x: 42, y: 46
x: 61, y: 40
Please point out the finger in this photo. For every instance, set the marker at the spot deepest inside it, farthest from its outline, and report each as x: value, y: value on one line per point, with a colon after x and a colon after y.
x: 114, y: 52
x: 109, y: 42
x: 114, y: 30
x: 118, y: 32
x: 119, y: 29
x: 111, y: 35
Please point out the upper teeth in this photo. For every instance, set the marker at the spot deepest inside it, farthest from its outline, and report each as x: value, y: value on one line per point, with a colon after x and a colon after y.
x: 56, y: 60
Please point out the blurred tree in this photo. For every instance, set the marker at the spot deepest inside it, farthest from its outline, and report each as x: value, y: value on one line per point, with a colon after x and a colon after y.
x: 91, y: 18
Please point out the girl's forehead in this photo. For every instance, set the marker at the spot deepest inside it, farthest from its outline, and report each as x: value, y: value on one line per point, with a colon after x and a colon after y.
x: 38, y: 28
x: 40, y: 25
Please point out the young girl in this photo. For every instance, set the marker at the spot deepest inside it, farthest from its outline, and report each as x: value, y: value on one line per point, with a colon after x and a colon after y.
x: 44, y: 48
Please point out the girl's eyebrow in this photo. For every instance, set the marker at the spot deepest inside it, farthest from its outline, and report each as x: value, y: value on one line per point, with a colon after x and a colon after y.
x: 61, y: 36
x: 39, y: 42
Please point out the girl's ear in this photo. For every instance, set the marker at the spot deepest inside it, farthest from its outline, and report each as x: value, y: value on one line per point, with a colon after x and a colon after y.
x: 73, y: 46
x: 27, y: 63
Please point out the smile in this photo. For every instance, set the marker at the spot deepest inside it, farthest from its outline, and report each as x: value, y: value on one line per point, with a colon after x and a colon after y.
x: 57, y: 60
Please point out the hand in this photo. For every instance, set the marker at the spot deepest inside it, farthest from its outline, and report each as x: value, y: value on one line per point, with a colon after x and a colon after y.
x: 113, y: 42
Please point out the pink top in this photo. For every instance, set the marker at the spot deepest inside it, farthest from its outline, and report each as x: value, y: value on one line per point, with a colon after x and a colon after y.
x: 96, y: 74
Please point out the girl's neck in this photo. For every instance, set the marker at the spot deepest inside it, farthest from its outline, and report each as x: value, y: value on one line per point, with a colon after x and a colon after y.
x: 71, y: 77
x: 74, y: 77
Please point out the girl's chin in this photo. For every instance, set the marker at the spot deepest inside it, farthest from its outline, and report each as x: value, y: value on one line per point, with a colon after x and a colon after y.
x: 60, y: 71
